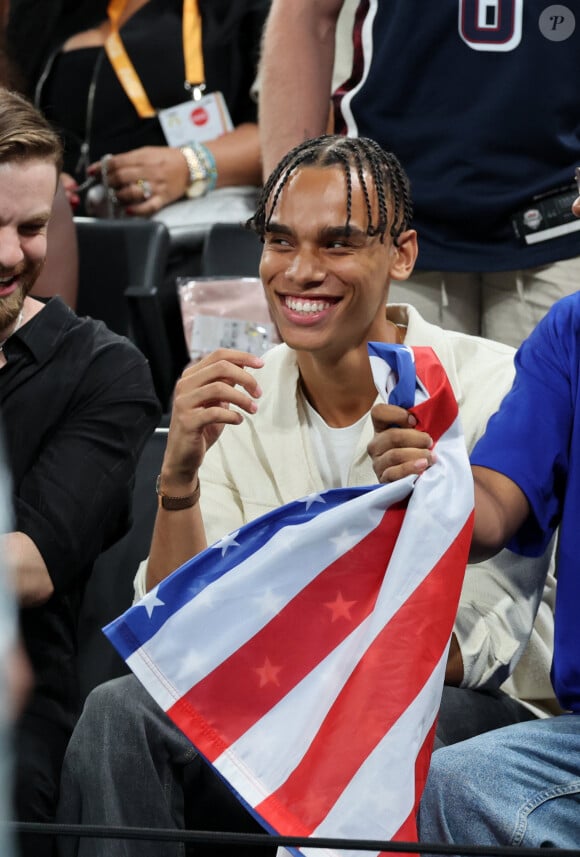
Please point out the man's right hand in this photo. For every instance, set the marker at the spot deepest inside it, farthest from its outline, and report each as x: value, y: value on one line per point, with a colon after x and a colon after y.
x: 201, y: 408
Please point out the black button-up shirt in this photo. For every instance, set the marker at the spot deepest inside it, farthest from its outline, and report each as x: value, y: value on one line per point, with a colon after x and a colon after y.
x: 77, y: 405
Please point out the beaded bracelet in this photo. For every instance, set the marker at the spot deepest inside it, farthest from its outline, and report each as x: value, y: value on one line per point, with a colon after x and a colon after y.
x: 206, y: 155
x: 202, y: 169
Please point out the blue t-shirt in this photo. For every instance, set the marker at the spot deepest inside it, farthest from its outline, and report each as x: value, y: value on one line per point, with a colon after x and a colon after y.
x: 534, y: 439
x: 478, y: 101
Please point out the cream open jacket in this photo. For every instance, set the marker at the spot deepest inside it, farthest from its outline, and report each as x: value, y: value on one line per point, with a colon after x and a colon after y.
x: 268, y: 460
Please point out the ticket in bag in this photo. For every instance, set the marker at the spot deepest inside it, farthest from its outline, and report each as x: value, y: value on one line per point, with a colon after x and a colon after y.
x: 225, y: 312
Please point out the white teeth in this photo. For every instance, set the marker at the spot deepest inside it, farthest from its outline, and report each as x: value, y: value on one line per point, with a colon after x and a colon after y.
x: 306, y: 306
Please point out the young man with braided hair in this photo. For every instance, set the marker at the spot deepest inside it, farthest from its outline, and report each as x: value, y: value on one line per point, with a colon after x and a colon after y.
x: 491, y: 177
x: 252, y: 434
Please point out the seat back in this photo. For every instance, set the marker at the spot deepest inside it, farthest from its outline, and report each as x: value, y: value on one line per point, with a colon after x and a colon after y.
x: 109, y: 590
x: 121, y: 265
x: 231, y: 250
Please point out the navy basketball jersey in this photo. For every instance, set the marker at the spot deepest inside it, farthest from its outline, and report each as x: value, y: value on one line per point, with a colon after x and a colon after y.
x: 479, y: 100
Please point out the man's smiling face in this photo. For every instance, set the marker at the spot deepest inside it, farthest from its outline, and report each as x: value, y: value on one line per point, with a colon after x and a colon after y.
x: 27, y: 191
x: 326, y: 284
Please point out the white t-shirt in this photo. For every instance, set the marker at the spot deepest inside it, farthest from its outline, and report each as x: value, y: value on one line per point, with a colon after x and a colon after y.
x: 334, y: 448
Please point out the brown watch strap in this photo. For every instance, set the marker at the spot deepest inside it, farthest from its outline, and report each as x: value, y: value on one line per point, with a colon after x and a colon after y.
x: 175, y: 504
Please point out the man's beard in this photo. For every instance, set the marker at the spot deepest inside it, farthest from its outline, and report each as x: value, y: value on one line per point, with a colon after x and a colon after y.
x: 11, y: 305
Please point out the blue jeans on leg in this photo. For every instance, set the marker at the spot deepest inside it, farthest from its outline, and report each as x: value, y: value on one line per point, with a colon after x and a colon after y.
x: 514, y: 786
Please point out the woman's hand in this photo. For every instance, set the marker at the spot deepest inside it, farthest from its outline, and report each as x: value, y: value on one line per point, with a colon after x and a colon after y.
x: 397, y: 448
x: 70, y: 188
x: 146, y: 180
x: 201, y: 408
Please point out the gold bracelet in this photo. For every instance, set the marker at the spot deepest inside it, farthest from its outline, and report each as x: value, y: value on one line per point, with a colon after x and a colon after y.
x: 199, y: 179
x: 175, y: 504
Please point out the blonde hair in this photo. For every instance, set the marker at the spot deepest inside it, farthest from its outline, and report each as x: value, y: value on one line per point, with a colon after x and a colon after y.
x: 25, y: 134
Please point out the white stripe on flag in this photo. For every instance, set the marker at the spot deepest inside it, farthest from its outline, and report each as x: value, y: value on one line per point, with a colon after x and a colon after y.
x: 325, y: 681
x: 329, y: 736
x: 301, y: 552
x: 257, y: 750
x: 384, y: 786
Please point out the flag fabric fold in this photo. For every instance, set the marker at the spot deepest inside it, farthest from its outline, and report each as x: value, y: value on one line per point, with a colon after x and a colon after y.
x: 304, y: 655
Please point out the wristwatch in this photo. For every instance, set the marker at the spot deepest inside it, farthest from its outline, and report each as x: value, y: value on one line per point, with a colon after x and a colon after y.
x: 175, y: 504
x: 199, y: 175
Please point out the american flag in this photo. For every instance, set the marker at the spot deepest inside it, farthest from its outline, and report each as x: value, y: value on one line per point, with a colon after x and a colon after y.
x: 304, y: 655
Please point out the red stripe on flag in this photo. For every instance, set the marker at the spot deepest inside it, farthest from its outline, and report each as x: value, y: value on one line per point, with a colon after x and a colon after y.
x: 407, y: 832
x: 392, y: 672
x: 434, y: 420
x: 422, y: 766
x: 257, y: 676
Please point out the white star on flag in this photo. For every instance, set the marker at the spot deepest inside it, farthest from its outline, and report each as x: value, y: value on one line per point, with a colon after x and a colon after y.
x: 312, y: 498
x: 344, y: 541
x: 269, y: 604
x: 194, y: 661
x: 273, y: 700
x: 151, y: 601
x: 227, y: 542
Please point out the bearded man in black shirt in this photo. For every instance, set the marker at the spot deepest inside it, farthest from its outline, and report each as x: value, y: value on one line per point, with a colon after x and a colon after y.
x: 77, y: 405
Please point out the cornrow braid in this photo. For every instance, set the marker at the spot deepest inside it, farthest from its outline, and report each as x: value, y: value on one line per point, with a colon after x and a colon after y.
x: 359, y: 153
x: 365, y: 190
x: 341, y: 157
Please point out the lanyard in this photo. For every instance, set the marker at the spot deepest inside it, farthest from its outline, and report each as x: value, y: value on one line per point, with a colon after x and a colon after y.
x: 125, y: 70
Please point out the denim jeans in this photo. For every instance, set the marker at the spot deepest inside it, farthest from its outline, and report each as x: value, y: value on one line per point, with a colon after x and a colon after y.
x: 123, y: 767
x: 514, y: 786
x: 128, y: 765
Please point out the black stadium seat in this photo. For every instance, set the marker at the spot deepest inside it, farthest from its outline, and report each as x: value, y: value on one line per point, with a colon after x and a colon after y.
x: 121, y: 266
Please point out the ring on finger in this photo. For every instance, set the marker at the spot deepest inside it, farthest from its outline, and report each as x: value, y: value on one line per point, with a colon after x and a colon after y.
x: 145, y: 188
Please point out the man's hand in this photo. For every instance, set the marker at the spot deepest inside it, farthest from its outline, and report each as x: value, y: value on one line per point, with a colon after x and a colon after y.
x: 32, y: 582
x: 201, y: 408
x: 397, y: 448
x: 19, y: 679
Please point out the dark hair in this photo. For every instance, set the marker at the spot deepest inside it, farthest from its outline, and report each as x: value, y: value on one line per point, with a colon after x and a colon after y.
x: 24, y: 132
x: 37, y: 28
x: 359, y: 153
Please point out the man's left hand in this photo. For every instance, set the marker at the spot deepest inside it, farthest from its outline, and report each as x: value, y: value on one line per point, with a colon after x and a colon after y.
x: 398, y: 449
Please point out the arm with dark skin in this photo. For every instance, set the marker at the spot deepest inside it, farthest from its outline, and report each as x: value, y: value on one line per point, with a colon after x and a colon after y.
x: 236, y: 154
x: 398, y: 449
